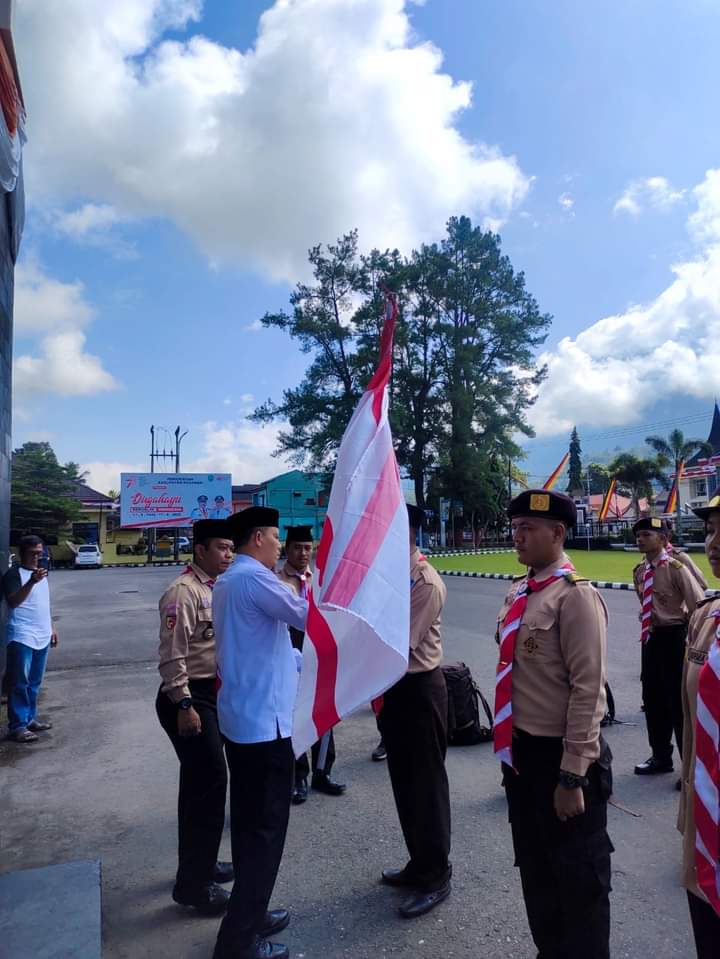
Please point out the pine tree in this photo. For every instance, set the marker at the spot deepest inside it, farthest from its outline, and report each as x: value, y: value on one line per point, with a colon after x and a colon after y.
x: 575, y: 481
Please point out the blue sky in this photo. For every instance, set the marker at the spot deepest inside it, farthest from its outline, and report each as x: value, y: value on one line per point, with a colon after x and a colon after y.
x: 183, y: 156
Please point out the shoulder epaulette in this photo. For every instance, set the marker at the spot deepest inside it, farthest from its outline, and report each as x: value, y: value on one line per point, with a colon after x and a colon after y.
x: 676, y: 563
x: 638, y: 565
x: 573, y: 578
x: 516, y: 579
x: 707, y: 599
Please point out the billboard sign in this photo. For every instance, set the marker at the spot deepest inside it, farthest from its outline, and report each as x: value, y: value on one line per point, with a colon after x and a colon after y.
x: 173, y: 499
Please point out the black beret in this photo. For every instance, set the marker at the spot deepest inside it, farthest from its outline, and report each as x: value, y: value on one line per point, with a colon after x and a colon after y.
x: 211, y: 529
x: 712, y: 507
x: 299, y: 534
x: 653, y: 523
x: 252, y: 518
x: 416, y: 516
x: 546, y: 504
x: 202, y: 496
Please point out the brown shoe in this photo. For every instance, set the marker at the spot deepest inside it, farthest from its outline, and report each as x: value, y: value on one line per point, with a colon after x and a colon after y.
x: 23, y: 736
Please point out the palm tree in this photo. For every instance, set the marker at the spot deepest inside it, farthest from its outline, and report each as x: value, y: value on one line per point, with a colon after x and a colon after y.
x: 674, y: 451
x: 635, y: 476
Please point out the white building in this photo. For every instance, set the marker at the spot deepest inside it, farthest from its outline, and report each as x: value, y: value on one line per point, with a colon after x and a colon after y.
x: 701, y: 477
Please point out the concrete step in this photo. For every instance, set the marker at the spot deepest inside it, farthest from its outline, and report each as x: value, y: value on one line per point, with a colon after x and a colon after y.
x: 52, y: 913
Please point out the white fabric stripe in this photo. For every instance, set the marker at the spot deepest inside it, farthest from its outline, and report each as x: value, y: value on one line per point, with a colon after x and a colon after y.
x: 505, y: 713
x: 705, y: 790
x: 707, y: 721
x: 702, y: 849
x: 515, y: 624
x: 503, y: 674
x: 505, y: 755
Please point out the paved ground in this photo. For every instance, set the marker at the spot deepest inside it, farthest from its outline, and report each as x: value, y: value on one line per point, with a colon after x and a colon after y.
x: 102, y: 785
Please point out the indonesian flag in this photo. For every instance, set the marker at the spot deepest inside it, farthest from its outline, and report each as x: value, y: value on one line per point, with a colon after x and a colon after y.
x: 358, y: 627
x: 556, y: 473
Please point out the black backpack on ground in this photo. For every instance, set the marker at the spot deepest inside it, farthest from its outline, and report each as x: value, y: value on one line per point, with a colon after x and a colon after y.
x: 464, y: 726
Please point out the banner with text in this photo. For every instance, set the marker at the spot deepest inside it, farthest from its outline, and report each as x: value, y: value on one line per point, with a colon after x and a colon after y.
x: 173, y: 499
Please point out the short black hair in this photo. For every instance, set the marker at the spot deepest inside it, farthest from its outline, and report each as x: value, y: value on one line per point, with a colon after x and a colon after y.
x: 27, y: 542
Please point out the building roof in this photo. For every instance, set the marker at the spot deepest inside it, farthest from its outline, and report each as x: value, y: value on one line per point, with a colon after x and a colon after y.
x: 89, y: 496
x: 713, y: 440
x: 619, y: 505
x: 245, y: 489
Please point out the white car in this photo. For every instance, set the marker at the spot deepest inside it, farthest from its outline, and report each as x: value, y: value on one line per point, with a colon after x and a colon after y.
x: 89, y: 555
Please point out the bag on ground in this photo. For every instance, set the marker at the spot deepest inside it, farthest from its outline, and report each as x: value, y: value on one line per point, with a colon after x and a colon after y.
x: 464, y: 725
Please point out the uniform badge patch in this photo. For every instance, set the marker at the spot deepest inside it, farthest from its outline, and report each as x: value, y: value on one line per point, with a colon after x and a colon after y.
x: 540, y: 502
x: 531, y: 645
x: 655, y: 523
x: 170, y: 622
x: 697, y: 656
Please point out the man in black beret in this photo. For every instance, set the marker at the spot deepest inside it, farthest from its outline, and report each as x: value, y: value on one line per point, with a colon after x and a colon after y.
x: 668, y: 594
x: 297, y: 576
x: 186, y: 706
x: 413, y: 724
x: 549, y: 701
x: 258, y: 676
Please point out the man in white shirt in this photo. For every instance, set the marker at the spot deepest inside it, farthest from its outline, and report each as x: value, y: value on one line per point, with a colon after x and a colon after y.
x: 30, y: 633
x: 257, y: 673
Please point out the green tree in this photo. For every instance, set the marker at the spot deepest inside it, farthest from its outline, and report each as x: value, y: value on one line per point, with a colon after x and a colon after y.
x: 41, y: 490
x: 636, y: 477
x: 599, y: 478
x: 575, y: 478
x: 673, y: 451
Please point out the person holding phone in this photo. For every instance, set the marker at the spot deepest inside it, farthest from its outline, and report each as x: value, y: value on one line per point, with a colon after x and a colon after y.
x: 30, y: 633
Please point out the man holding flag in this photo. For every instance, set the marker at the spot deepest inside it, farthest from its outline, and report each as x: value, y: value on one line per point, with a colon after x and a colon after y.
x: 257, y: 675
x: 549, y: 700
x: 413, y: 723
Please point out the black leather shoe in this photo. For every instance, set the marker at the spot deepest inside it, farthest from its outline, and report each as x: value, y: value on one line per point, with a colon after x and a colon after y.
x: 653, y: 766
x: 270, y: 950
x: 379, y: 754
x: 208, y: 900
x: 300, y: 792
x: 397, y: 877
x: 224, y: 872
x: 424, y: 902
x: 275, y: 921
x: 324, y: 784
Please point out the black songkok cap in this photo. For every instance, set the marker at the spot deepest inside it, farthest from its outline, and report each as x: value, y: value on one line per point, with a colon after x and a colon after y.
x: 712, y: 507
x: 653, y: 523
x: 416, y: 516
x: 252, y: 518
x: 299, y: 534
x: 204, y: 529
x: 546, y: 504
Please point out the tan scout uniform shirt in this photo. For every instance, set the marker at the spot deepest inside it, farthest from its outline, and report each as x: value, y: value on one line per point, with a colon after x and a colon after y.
x: 692, y: 567
x: 291, y: 578
x: 187, y: 639
x: 701, y: 636
x: 559, y: 669
x: 675, y: 593
x: 427, y: 598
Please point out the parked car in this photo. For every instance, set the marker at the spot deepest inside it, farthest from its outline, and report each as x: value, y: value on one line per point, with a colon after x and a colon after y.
x: 89, y: 555
x: 183, y: 544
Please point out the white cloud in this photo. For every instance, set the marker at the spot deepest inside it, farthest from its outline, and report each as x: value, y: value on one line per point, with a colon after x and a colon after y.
x: 104, y: 476
x: 62, y: 367
x: 567, y: 203
x: 242, y: 448
x: 86, y: 219
x: 336, y: 117
x: 653, y: 191
x: 56, y: 312
x: 612, y: 372
x: 253, y: 327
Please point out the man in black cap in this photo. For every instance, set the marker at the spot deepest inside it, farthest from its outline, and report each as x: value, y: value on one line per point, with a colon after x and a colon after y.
x: 187, y: 709
x: 668, y: 594
x: 297, y: 576
x: 258, y: 678
x: 549, y: 701
x: 413, y: 724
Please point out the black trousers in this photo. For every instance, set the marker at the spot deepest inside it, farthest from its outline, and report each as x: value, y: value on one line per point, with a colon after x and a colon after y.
x: 564, y: 866
x: 261, y: 779
x: 413, y: 725
x: 203, y: 785
x: 662, y: 669
x: 706, y: 927
x: 302, y: 766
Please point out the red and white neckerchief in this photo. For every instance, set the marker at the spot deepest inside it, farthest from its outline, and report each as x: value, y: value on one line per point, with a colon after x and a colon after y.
x: 647, y: 594
x: 305, y: 580
x: 205, y: 582
x: 707, y: 774
x: 502, y: 731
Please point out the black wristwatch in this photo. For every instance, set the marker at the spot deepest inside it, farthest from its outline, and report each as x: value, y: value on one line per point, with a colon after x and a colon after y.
x: 185, y: 703
x: 571, y: 781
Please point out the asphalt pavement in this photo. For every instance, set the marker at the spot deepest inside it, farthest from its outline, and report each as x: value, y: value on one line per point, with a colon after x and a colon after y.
x: 102, y: 785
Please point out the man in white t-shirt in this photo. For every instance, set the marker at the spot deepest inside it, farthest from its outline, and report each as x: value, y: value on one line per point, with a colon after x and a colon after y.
x: 30, y: 633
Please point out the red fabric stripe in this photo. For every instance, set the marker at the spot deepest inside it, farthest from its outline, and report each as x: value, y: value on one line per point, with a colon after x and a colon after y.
x: 324, y: 713
x: 367, y: 538
x: 381, y: 377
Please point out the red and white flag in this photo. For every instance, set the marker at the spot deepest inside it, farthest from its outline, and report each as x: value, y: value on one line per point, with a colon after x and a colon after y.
x: 358, y: 627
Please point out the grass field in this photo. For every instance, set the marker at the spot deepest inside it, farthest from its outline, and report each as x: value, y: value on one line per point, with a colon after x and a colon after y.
x: 612, y: 565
